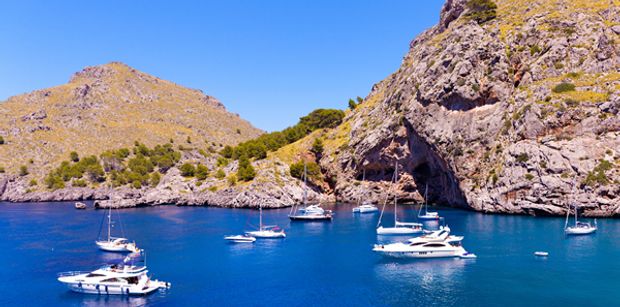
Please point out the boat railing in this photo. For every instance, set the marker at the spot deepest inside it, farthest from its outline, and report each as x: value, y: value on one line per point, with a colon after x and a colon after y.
x: 71, y: 273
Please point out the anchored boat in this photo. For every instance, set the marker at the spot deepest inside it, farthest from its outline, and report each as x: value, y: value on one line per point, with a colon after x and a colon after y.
x: 427, y: 215
x: 309, y: 212
x: 439, y: 245
x: 266, y: 232
x: 240, y: 239
x: 122, y: 278
x: 365, y: 207
x: 400, y: 228
x: 579, y: 228
x: 115, y: 244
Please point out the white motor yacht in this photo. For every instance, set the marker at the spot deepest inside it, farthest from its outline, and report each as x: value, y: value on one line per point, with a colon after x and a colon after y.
x: 122, y: 278
x: 266, y: 232
x: 450, y: 247
x: 579, y: 228
x: 365, y: 208
x: 115, y: 244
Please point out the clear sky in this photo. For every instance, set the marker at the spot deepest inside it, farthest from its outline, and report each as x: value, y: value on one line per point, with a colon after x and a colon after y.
x: 270, y: 61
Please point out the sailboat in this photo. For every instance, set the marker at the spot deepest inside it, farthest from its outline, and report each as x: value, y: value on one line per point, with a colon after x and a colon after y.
x: 400, y: 228
x: 365, y: 207
x: 116, y: 244
x: 579, y: 228
x: 265, y: 231
x: 309, y: 212
x: 427, y: 215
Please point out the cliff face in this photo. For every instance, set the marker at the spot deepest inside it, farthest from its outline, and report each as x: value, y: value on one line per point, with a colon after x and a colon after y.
x: 479, y: 112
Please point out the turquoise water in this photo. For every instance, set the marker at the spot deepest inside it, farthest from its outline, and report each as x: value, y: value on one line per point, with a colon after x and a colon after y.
x: 317, y: 264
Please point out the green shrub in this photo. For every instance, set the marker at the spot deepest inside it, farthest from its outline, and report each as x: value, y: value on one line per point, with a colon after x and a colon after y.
x: 529, y: 176
x: 78, y: 183
x: 535, y: 49
x: 220, y: 174
x: 521, y: 158
x: 352, y: 104
x: 187, y: 170
x: 136, y: 184
x: 2, y: 170
x: 597, y: 175
x: 222, y: 162
x: 481, y: 10
x: 54, y: 181
x: 155, y: 179
x: 212, y: 188
x: 33, y: 182
x: 23, y: 170
x: 245, y: 171
x: 317, y: 146
x: 563, y: 87
x: 202, y: 172
x: 359, y: 100
x: 74, y: 156
x: 297, y: 170
x: 1, y: 140
x: 232, y: 180
x: 227, y: 152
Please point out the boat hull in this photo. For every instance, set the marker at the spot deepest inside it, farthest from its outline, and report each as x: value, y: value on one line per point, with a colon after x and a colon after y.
x: 365, y: 210
x: 579, y: 231
x: 428, y: 217
x: 310, y: 217
x: 424, y: 254
x: 240, y: 239
x: 398, y: 231
x: 123, y: 248
x: 266, y: 234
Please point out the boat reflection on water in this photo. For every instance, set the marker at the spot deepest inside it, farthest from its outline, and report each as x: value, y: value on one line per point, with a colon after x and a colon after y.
x: 430, y: 280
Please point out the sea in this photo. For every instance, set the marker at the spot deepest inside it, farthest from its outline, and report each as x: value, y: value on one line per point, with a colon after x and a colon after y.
x: 317, y: 264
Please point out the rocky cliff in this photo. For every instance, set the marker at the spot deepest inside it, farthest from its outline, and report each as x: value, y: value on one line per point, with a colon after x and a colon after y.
x: 516, y: 114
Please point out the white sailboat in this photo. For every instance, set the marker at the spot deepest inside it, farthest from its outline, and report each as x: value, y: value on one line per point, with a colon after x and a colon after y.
x: 265, y: 231
x: 364, y: 207
x: 116, y: 244
x: 309, y: 212
x: 400, y: 228
x: 579, y: 228
x: 427, y: 215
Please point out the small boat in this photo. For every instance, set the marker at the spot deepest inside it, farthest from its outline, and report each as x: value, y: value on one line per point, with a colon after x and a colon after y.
x: 80, y: 205
x: 115, y: 244
x: 579, y: 228
x: 427, y: 216
x: 467, y: 255
x: 365, y: 207
x: 541, y: 254
x: 400, y: 228
x: 266, y: 232
x: 451, y: 247
x: 122, y: 278
x: 240, y: 239
x: 309, y: 212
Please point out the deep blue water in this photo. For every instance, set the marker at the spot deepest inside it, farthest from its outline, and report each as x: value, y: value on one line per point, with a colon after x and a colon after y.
x: 319, y: 263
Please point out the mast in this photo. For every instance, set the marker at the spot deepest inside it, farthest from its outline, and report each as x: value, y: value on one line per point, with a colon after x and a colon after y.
x: 426, y: 199
x: 395, y: 193
x: 305, y: 185
x: 109, y: 223
x: 260, y: 217
x: 567, y: 215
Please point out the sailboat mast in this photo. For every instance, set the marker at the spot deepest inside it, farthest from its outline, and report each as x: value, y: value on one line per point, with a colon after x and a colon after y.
x: 260, y: 217
x: 426, y: 199
x: 395, y: 193
x: 305, y: 185
x: 109, y: 223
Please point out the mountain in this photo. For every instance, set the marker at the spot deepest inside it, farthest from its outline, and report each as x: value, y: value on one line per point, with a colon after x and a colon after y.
x: 108, y: 107
x: 505, y: 106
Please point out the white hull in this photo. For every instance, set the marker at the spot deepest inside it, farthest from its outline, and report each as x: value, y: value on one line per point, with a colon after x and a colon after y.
x: 113, y: 289
x: 365, y: 209
x: 240, y: 239
x: 118, y: 248
x: 427, y: 217
x: 266, y: 234
x: 579, y: 230
x: 446, y: 253
x: 112, y: 280
x: 398, y: 230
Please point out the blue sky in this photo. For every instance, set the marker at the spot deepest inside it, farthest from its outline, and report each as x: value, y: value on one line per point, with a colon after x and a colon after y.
x: 269, y: 61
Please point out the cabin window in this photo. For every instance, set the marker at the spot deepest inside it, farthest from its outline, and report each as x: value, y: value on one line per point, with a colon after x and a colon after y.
x: 94, y: 275
x: 132, y: 280
x: 416, y: 244
x: 434, y: 245
x: 111, y: 280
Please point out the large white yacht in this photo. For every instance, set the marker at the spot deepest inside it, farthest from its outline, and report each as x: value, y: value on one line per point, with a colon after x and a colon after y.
x: 438, y: 244
x: 123, y: 278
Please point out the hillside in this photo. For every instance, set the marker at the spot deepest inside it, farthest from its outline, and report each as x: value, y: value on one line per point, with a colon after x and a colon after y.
x: 108, y: 107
